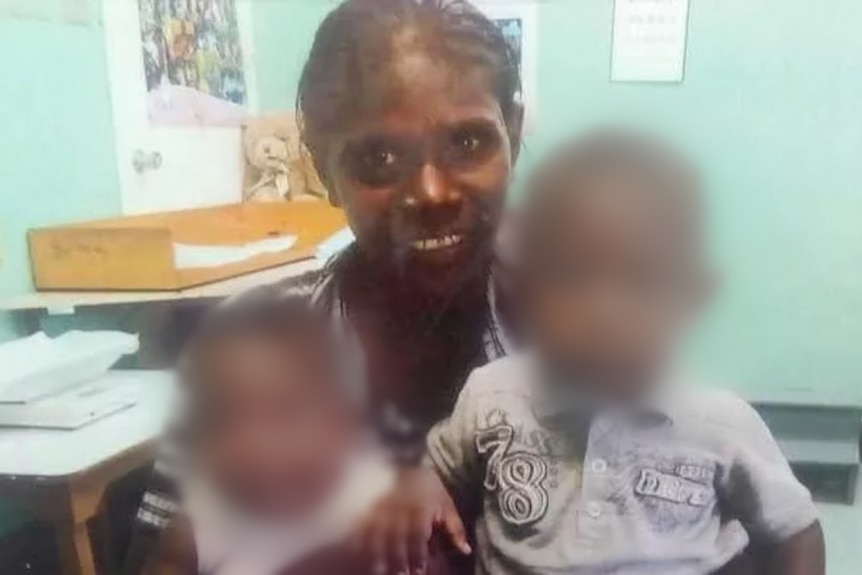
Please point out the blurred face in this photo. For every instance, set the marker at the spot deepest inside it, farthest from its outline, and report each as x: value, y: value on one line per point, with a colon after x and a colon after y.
x: 610, y: 286
x: 423, y: 174
x: 273, y: 433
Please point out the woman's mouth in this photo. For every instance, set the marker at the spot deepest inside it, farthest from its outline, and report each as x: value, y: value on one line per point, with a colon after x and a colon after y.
x: 438, y: 243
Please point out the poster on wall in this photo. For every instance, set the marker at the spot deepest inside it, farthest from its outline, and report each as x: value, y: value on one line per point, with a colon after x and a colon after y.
x: 649, y: 40
x: 518, y: 20
x: 192, y: 62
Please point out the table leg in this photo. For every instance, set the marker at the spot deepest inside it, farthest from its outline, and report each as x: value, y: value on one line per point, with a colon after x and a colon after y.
x: 76, y: 553
x: 71, y: 502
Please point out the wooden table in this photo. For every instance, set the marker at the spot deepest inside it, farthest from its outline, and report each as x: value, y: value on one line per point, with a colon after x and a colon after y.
x: 29, y: 308
x: 61, y: 475
x: 66, y: 301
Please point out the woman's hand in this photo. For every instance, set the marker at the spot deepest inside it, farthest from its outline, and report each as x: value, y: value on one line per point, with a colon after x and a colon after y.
x: 395, y: 535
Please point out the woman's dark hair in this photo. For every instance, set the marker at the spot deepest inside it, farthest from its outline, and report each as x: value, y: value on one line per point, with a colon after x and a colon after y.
x: 355, y: 42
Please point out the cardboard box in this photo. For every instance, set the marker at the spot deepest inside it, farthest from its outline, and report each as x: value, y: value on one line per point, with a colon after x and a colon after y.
x: 137, y: 252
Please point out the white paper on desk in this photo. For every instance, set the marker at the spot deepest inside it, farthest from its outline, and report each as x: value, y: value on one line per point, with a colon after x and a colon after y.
x: 334, y: 244
x: 70, y: 408
x: 38, y: 365
x: 207, y: 256
x: 649, y: 40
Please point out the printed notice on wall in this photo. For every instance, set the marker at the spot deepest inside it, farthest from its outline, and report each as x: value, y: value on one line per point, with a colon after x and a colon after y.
x: 649, y: 40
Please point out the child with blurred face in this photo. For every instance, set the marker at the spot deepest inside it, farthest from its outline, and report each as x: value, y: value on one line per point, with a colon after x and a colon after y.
x: 612, y: 270
x: 278, y: 473
x: 590, y: 452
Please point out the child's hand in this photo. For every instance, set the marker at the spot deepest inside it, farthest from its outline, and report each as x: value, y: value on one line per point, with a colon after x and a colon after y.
x: 396, y: 533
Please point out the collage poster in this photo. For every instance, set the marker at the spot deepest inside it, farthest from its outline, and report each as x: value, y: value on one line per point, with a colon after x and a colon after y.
x: 193, y: 62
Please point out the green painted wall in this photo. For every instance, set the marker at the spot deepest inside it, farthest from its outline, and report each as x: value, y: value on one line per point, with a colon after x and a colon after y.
x: 8, y: 327
x: 770, y: 108
x: 57, y: 150
x: 57, y: 159
x: 283, y: 32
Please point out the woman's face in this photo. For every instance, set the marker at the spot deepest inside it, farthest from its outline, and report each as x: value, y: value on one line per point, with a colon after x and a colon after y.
x: 423, y: 174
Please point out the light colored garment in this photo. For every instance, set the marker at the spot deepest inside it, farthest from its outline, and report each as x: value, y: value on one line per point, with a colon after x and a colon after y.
x: 673, y: 487
x: 231, y: 543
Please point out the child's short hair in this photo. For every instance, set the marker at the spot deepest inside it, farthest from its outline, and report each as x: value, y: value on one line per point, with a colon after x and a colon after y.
x: 619, y: 151
x: 656, y: 167
x: 354, y: 40
x: 270, y: 311
x: 264, y: 310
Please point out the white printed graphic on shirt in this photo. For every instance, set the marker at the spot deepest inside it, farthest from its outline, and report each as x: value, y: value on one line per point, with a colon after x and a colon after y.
x: 516, y: 476
x: 653, y: 483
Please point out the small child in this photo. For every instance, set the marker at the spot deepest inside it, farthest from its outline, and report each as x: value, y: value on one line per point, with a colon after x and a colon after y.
x: 277, y: 473
x: 590, y: 453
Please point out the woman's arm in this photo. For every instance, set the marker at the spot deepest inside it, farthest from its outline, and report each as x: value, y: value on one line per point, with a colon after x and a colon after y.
x: 395, y: 535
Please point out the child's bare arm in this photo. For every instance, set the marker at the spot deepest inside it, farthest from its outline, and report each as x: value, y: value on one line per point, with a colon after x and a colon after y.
x: 802, y: 554
x: 175, y: 553
x: 760, y: 490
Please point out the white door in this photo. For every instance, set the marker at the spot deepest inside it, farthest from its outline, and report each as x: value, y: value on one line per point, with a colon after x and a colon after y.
x: 182, y: 79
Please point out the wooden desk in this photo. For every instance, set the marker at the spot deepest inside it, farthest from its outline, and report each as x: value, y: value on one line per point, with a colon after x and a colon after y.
x: 61, y: 475
x: 67, y: 301
x: 30, y: 308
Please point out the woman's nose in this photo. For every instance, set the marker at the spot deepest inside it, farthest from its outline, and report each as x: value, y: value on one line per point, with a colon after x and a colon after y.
x: 432, y: 188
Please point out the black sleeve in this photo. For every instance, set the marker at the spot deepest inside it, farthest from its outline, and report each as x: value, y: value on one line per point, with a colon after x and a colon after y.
x: 158, y: 507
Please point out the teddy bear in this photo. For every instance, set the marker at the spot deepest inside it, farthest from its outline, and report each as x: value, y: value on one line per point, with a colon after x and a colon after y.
x: 278, y: 167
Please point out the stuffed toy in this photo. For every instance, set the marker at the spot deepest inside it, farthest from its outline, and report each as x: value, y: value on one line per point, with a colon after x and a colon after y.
x: 278, y: 167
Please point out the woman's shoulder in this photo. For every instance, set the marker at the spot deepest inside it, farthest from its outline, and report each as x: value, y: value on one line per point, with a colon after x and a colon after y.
x: 313, y: 285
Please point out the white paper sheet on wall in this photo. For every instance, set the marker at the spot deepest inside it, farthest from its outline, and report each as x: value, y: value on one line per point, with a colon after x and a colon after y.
x: 649, y: 40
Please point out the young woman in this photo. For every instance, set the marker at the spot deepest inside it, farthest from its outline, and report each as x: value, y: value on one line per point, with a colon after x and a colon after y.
x: 411, y: 112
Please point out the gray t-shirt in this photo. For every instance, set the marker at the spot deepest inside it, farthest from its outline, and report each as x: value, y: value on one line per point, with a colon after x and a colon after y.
x: 673, y: 487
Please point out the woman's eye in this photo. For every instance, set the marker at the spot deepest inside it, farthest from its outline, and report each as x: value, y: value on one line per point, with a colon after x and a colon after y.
x: 468, y: 142
x: 374, y: 164
x: 469, y: 145
x: 378, y: 159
